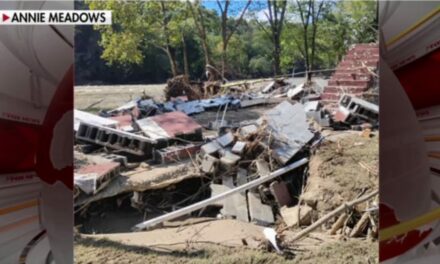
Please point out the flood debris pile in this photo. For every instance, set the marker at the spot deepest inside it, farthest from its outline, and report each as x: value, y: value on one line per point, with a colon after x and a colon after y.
x: 299, y: 167
x: 253, y: 151
x: 182, y: 86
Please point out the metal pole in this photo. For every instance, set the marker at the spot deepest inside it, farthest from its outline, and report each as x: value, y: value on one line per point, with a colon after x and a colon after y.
x: 204, y: 203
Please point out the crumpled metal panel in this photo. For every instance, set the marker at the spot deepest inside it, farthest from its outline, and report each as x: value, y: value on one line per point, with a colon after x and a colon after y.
x: 290, y: 129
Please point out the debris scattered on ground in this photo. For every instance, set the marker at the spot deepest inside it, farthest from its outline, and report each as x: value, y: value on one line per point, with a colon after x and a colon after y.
x: 276, y: 154
x: 181, y: 86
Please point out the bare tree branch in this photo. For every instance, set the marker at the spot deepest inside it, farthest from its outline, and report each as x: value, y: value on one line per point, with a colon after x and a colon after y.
x: 239, y: 20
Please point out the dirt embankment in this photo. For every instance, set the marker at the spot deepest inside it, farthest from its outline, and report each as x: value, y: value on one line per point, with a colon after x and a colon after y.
x: 341, y: 170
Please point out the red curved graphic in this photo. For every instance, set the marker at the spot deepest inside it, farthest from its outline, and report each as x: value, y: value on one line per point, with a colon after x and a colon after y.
x: 396, y: 246
x: 421, y: 80
x: 18, y: 146
x: 62, y: 103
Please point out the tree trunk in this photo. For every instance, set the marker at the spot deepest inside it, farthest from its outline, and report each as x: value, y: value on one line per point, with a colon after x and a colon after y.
x: 205, y: 45
x: 307, y: 58
x: 277, y: 55
x: 169, y: 51
x: 172, y: 60
x: 224, y: 59
x: 206, y: 52
x: 314, y: 30
x: 185, y: 57
x: 201, y: 30
x: 224, y: 47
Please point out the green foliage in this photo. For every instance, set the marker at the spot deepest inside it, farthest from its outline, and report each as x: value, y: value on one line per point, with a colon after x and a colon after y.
x: 362, y: 19
x: 134, y: 48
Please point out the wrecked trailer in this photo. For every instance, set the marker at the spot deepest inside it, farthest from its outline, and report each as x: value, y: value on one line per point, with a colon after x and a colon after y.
x: 354, y: 110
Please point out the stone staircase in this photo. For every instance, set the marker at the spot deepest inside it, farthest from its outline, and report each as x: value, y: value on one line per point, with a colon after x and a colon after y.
x: 350, y: 76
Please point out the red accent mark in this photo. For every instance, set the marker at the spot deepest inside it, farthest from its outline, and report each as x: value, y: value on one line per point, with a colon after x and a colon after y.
x: 400, y: 244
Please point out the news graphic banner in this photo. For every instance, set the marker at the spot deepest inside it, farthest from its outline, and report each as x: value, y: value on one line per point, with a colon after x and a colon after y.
x: 409, y: 132
x: 36, y: 128
x: 55, y: 17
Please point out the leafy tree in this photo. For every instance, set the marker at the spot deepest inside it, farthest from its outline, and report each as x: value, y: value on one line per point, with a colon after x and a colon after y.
x: 198, y: 15
x: 275, y: 17
x: 136, y: 24
x: 150, y: 40
x: 310, y: 13
x: 227, y: 30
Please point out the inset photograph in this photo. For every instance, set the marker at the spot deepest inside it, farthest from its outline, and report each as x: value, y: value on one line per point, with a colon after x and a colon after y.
x: 227, y: 132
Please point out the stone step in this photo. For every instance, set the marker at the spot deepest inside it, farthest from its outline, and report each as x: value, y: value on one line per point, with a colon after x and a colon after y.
x: 335, y: 96
x: 362, y: 56
x: 363, y: 48
x: 350, y: 70
x: 363, y: 51
x: 346, y: 89
x: 330, y: 103
x: 367, y: 45
x: 358, y: 63
x: 330, y: 96
x: 345, y: 82
x: 351, y: 76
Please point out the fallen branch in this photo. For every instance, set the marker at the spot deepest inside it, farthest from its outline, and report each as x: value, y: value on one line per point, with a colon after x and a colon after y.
x: 361, y: 225
x: 338, y: 224
x: 93, y: 104
x: 248, y: 82
x: 367, y: 168
x: 332, y: 214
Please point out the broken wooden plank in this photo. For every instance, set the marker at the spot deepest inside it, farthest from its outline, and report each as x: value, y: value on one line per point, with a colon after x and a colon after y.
x: 332, y: 214
x: 361, y: 225
x: 338, y: 224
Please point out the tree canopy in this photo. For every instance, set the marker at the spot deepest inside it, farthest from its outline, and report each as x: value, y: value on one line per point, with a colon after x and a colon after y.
x: 150, y: 41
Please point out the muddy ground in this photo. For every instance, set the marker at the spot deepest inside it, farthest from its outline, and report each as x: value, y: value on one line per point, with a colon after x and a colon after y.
x: 112, y: 96
x: 90, y: 250
x: 344, y: 167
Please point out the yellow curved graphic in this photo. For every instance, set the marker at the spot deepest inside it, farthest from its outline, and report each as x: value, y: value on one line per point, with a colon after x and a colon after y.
x: 18, y: 207
x: 410, y: 29
x: 405, y: 227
